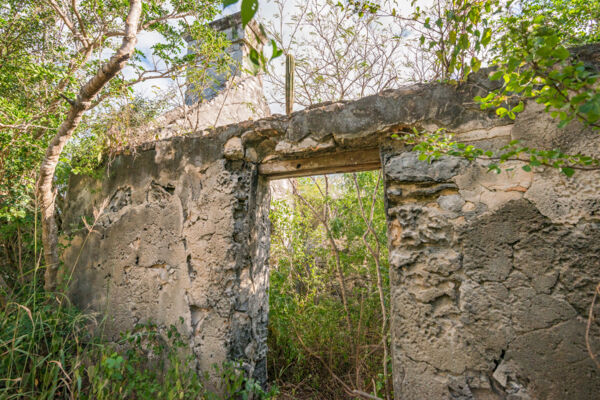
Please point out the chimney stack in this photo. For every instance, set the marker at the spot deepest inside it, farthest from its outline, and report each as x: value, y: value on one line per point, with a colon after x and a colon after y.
x: 243, y: 40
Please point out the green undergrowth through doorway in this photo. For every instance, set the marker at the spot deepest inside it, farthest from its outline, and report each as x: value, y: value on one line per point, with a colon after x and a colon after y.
x: 329, y: 288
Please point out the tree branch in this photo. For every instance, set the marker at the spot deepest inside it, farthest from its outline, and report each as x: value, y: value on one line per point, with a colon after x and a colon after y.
x: 78, y: 35
x: 45, y: 183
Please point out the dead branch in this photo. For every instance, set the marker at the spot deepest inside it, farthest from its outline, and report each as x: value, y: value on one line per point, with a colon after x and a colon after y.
x: 589, y: 327
x: 335, y: 250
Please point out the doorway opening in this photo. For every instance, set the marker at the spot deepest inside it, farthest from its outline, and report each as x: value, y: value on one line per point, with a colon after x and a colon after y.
x: 328, y: 335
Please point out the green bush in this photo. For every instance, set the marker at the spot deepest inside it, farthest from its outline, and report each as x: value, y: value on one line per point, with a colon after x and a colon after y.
x: 47, y: 351
x: 319, y: 257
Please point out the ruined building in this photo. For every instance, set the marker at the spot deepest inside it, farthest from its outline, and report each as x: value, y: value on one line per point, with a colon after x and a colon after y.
x: 492, y: 275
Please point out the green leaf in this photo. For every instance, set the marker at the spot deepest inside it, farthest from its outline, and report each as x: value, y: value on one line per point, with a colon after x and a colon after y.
x: 494, y: 167
x: 526, y: 168
x: 463, y: 42
x: 486, y: 37
x: 276, y: 51
x: 452, y: 37
x: 248, y: 9
x: 519, y: 107
x: 568, y: 171
x: 475, y: 64
x: 590, y: 106
x: 254, y: 57
x: 496, y: 75
x: 561, y: 53
x: 227, y: 3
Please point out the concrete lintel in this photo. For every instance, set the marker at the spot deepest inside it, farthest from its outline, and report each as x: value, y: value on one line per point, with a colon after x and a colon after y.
x: 348, y: 161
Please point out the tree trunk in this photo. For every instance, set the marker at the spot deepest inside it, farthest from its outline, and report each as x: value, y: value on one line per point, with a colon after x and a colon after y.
x: 85, y: 96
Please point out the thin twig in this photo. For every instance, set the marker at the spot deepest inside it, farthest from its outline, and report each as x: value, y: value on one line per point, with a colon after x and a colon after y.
x: 589, y: 326
x: 335, y: 250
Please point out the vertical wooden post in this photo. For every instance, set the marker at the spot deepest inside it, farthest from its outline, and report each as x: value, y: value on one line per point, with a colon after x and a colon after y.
x: 289, y: 83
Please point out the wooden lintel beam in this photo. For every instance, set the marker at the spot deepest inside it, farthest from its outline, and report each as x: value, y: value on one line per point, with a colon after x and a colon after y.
x: 349, y: 161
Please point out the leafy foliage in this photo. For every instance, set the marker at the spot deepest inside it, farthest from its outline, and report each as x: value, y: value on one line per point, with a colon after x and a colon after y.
x: 535, y: 58
x: 456, y: 33
x: 48, y: 352
x: 534, y: 53
x: 433, y: 145
x: 150, y: 367
x: 32, y: 61
x: 49, y: 49
x: 310, y: 339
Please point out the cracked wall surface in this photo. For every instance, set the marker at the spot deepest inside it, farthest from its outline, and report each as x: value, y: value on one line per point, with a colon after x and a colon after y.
x: 183, y: 236
x: 491, y: 274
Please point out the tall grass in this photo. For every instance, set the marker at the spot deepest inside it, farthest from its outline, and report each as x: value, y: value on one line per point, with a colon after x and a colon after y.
x: 47, y: 351
x: 43, y: 339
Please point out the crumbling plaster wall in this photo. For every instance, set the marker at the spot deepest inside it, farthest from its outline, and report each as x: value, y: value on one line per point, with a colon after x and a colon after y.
x: 490, y: 292
x: 491, y: 275
x: 184, y: 235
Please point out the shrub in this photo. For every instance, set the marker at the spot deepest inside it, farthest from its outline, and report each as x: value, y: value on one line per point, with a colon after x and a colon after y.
x: 47, y: 351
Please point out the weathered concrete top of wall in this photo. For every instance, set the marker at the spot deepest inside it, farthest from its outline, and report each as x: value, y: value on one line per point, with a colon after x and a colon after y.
x: 345, y: 126
x: 241, y: 99
x: 334, y: 130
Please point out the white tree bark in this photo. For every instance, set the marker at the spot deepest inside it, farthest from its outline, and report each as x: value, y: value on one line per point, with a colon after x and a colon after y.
x: 84, y: 99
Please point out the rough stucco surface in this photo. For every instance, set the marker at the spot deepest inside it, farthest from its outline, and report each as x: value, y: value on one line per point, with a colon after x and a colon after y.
x: 183, y: 236
x: 491, y: 275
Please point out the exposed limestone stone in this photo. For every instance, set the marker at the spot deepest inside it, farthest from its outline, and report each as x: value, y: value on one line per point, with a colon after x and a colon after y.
x: 566, y: 200
x: 572, y: 139
x: 233, y: 149
x: 308, y: 144
x: 461, y: 315
x: 452, y: 202
x: 477, y: 185
x: 484, y: 134
x: 407, y: 168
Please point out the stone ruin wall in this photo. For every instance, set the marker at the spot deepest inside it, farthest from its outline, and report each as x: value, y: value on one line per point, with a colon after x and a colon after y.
x: 184, y: 235
x: 491, y: 275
